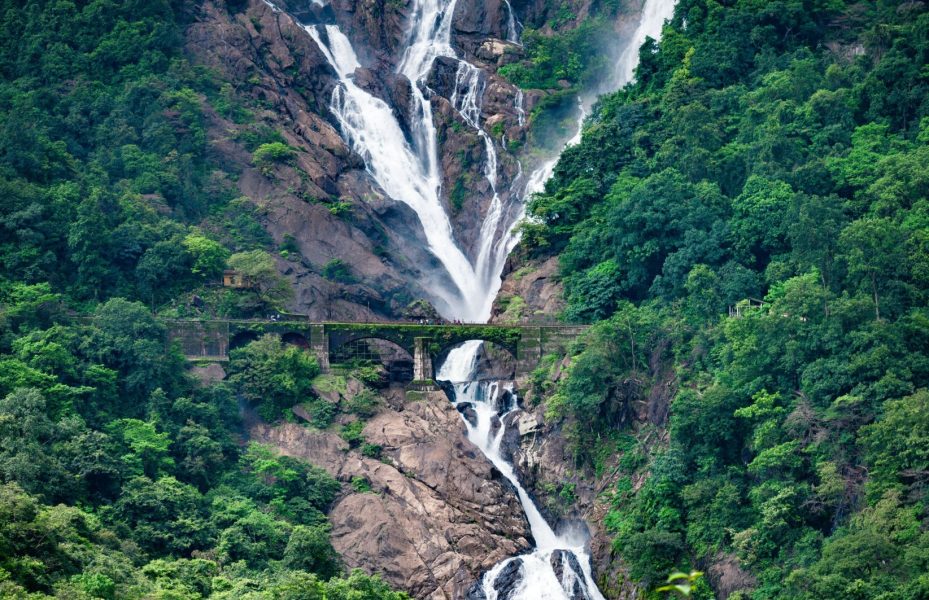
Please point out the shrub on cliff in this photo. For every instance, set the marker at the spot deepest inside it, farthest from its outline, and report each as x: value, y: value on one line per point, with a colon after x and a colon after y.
x: 267, y: 155
x: 269, y: 289
x: 273, y: 376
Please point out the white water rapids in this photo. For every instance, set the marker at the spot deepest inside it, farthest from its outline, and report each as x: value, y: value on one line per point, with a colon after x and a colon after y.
x: 548, y: 572
x: 409, y: 171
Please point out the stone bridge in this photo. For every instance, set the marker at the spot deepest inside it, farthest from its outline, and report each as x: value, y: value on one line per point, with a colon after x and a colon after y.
x: 425, y: 345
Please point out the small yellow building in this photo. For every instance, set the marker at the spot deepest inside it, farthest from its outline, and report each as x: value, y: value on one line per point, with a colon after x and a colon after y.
x: 237, y: 280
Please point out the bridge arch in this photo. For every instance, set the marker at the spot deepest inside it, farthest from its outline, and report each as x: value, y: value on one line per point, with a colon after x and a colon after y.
x: 395, y: 358
x: 358, y: 345
x: 242, y: 338
x: 339, y: 338
x: 295, y: 339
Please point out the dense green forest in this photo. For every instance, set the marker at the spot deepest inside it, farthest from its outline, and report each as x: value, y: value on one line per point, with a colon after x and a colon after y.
x: 747, y: 226
x: 119, y: 477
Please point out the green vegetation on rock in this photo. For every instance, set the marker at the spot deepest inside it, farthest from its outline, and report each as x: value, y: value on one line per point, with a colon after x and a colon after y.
x: 121, y: 478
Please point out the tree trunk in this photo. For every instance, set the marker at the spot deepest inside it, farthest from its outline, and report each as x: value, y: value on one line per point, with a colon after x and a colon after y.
x: 877, y: 307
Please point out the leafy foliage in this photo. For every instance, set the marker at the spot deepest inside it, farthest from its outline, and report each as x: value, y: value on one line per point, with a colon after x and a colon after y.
x: 273, y: 376
x: 573, y: 55
x: 746, y: 226
x: 119, y: 476
x: 271, y: 290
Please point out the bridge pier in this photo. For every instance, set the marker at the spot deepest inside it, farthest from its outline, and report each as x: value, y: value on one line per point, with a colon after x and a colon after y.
x: 319, y: 345
x: 422, y: 360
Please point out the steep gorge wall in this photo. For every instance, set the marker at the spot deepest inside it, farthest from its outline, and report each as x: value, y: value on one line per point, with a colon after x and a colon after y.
x: 287, y: 82
x: 280, y: 74
x: 432, y: 515
x: 323, y: 198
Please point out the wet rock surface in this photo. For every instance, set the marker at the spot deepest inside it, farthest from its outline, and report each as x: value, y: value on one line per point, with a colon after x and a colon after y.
x: 543, y: 461
x: 563, y: 561
x: 438, y: 514
x: 506, y: 583
x: 467, y: 411
x: 486, y: 17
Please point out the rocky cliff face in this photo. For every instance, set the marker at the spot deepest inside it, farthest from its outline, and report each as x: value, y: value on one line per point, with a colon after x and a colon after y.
x: 573, y: 497
x: 323, y: 198
x: 433, y: 514
x: 530, y: 291
x: 545, y: 466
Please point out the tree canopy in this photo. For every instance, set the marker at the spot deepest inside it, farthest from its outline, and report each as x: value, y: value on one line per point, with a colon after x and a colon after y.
x: 745, y: 226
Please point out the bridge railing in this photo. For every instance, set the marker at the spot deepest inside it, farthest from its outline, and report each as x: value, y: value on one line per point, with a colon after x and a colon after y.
x: 410, y: 322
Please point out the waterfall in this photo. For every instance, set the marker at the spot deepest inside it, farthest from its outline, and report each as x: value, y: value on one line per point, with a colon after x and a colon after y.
x: 372, y: 130
x: 430, y: 38
x: 467, y: 98
x: 654, y: 14
x: 409, y: 171
x: 519, y: 103
x: 534, y: 576
x: 513, y: 26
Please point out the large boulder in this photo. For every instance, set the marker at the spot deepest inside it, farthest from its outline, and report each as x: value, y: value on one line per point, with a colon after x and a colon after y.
x: 437, y: 515
x: 481, y: 17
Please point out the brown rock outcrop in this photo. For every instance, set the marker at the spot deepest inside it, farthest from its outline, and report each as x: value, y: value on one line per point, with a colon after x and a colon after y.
x: 536, y: 285
x: 486, y: 17
x: 438, y: 513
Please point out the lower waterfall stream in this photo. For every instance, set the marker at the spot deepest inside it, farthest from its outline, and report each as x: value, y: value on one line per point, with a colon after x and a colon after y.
x: 559, y: 565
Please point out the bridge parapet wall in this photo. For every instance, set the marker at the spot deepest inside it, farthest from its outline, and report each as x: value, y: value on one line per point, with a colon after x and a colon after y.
x: 203, y: 340
x: 319, y: 345
x: 536, y: 342
x: 422, y: 360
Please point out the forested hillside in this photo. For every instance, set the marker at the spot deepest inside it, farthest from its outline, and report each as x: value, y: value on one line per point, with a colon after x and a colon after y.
x: 119, y: 477
x: 748, y: 227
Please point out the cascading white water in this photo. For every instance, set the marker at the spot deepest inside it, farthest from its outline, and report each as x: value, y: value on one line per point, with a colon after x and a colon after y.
x: 430, y: 38
x: 654, y: 14
x: 412, y: 174
x: 513, y: 26
x: 536, y: 578
x: 373, y: 131
x: 467, y: 100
